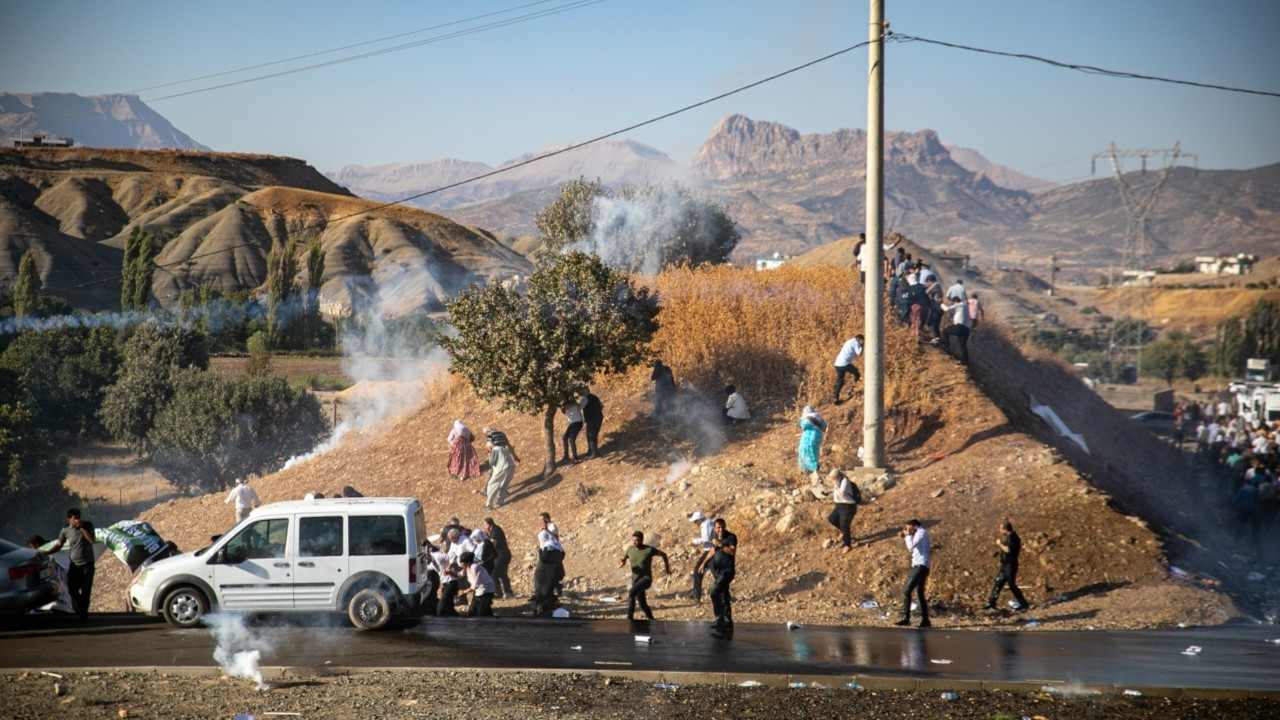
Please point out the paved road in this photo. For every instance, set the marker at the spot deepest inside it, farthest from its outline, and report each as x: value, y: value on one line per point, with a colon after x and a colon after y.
x: 1235, y: 656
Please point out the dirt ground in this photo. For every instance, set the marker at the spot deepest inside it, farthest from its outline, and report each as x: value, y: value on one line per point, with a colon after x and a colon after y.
x: 530, y: 695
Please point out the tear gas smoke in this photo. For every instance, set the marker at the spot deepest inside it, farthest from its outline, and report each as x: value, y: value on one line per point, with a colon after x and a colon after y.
x: 635, y: 233
x: 238, y: 650
x: 677, y: 467
x: 637, y: 493
x: 391, y: 368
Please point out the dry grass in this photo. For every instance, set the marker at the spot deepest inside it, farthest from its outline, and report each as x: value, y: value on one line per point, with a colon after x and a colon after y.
x: 769, y: 333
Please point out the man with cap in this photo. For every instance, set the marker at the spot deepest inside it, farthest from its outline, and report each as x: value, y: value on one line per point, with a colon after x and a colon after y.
x: 641, y: 558
x: 481, y: 586
x: 706, y: 532
x: 244, y: 497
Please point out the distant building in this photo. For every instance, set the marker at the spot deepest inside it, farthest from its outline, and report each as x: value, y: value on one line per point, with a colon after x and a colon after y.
x: 1138, y: 277
x: 1239, y: 264
x: 43, y: 141
x: 772, y: 262
x: 953, y: 258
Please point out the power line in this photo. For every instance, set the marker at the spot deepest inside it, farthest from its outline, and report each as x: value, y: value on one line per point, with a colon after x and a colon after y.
x: 501, y: 170
x: 1091, y: 69
x: 574, y: 5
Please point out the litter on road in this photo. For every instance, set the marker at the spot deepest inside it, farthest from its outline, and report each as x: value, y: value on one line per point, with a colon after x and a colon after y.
x: 1193, y: 650
x: 940, y: 661
x: 793, y: 625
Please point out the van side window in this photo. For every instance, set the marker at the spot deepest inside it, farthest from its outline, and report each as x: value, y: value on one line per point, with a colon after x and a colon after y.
x: 320, y: 536
x: 260, y: 539
x: 377, y: 535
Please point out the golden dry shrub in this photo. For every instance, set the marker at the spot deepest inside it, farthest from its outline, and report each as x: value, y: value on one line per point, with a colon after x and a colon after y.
x: 774, y: 334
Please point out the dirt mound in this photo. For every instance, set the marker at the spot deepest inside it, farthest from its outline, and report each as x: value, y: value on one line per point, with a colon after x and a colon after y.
x: 964, y: 447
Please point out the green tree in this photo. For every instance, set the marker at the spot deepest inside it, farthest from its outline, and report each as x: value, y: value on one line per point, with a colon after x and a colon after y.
x: 27, y: 288
x: 1262, y: 331
x: 1172, y: 356
x: 65, y: 372
x: 152, y: 358
x: 217, y: 428
x: 137, y: 270
x: 315, y: 278
x: 1227, y: 353
x: 578, y: 319
x: 569, y: 218
x: 636, y: 229
x: 282, y: 267
x: 31, y: 472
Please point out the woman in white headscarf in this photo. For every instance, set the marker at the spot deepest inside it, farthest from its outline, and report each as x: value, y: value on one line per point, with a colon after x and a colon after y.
x: 463, y: 461
x: 812, y: 427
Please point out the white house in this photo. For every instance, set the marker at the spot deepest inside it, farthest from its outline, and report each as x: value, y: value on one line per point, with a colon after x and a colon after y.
x: 1238, y: 264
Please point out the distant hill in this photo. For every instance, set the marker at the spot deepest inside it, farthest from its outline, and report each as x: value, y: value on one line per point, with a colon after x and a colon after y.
x: 790, y: 193
x: 614, y: 163
x: 217, y: 215
x: 113, y: 121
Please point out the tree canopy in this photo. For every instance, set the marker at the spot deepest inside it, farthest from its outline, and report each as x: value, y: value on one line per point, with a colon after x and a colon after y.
x: 637, y: 229
x: 533, y: 351
x: 153, y: 356
x: 1173, y: 356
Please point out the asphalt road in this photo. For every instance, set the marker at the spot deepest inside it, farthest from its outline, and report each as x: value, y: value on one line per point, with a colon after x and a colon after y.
x: 1239, y: 656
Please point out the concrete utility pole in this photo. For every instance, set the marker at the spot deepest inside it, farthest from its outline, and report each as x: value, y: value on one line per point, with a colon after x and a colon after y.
x: 873, y: 251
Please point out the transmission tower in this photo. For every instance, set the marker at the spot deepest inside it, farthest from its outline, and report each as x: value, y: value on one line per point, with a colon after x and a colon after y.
x: 1130, y: 324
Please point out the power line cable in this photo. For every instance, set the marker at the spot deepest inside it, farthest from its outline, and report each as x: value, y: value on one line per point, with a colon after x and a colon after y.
x: 1091, y: 69
x: 574, y: 5
x: 498, y: 171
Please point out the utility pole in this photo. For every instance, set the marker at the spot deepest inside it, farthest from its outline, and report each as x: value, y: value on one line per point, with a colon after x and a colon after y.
x: 873, y: 251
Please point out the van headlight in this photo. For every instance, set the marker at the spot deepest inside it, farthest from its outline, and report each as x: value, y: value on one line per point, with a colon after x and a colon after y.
x: 141, y: 580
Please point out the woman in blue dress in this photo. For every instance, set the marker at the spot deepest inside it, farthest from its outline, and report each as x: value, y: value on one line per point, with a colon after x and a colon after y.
x: 812, y: 427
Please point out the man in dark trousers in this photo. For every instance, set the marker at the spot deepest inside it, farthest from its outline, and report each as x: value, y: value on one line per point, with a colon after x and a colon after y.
x: 78, y: 538
x: 664, y: 390
x: 593, y: 416
x: 721, y: 563
x: 918, y: 544
x: 501, y: 557
x: 641, y: 558
x: 1010, y: 548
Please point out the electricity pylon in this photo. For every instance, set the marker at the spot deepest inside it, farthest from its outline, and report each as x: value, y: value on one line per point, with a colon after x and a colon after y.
x: 1129, y: 328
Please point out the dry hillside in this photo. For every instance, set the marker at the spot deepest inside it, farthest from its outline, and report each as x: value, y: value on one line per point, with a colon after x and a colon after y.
x: 217, y: 216
x: 963, y: 447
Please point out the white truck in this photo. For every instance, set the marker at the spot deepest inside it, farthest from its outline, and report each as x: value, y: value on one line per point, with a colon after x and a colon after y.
x: 1258, y: 370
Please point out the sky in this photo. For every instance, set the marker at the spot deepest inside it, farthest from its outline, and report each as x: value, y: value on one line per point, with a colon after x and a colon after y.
x: 564, y: 71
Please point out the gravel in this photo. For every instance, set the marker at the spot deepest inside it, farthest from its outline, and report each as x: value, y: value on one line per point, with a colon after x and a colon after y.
x: 439, y: 694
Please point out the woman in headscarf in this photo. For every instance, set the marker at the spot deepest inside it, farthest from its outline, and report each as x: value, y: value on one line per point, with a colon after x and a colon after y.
x: 463, y: 461
x: 812, y: 426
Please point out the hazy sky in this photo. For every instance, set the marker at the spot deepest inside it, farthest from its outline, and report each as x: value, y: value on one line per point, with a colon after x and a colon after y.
x: 599, y: 66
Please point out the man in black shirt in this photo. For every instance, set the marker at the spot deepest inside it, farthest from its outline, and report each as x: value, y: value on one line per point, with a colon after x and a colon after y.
x: 664, y: 390
x: 593, y: 416
x: 721, y: 562
x: 502, y: 558
x: 1010, y: 548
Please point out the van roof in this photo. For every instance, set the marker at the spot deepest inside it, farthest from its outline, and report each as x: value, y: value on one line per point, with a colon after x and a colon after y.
x: 395, y: 504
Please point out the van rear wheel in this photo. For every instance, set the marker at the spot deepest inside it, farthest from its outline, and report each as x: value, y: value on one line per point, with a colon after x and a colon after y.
x: 185, y: 607
x: 369, y: 609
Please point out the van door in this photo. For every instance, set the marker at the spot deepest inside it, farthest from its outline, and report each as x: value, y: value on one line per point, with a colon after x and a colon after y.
x: 255, y: 572
x: 321, y: 565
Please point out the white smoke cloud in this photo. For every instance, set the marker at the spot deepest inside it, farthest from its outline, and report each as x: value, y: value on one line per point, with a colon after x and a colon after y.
x: 391, y: 368
x: 238, y: 650
x: 637, y: 493
x: 632, y: 233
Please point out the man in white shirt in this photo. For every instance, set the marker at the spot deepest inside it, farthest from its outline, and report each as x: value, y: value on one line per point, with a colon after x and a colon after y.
x: 735, y: 407
x: 706, y: 532
x: 917, y: 540
x: 959, y: 328
x: 957, y: 292
x: 244, y: 497
x: 851, y: 349
x: 549, y: 573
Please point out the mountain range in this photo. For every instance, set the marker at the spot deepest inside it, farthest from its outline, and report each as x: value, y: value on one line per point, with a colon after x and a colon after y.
x: 788, y: 192
x: 114, y: 121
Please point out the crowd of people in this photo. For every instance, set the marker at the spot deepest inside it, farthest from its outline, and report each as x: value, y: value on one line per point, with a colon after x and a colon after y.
x: 1247, y: 451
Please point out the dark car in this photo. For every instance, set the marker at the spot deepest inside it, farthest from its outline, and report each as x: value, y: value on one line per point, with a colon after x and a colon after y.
x: 26, y: 580
x: 1157, y: 421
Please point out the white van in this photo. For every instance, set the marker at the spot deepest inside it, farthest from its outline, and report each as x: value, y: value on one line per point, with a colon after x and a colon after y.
x: 361, y: 556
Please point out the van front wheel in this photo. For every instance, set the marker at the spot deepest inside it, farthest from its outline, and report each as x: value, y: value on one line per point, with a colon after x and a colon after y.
x: 369, y: 610
x: 185, y: 607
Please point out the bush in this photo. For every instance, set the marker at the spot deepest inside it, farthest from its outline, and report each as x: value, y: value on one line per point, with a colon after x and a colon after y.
x: 64, y: 373
x: 31, y: 491
x: 217, y: 428
x: 152, y: 356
